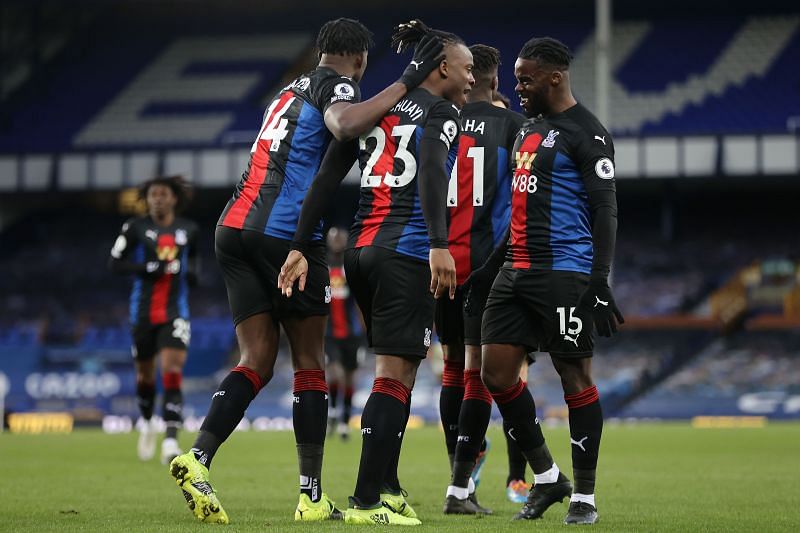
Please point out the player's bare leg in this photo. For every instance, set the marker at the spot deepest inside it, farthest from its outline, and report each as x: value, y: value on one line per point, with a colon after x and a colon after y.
x: 145, y: 399
x: 585, y: 428
x: 501, y: 367
x: 309, y: 412
x: 258, y: 343
x: 172, y: 362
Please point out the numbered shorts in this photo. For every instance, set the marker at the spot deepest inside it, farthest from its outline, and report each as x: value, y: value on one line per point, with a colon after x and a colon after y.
x: 393, y: 292
x: 453, y: 326
x: 149, y: 339
x: 535, y: 309
x: 343, y: 351
x: 250, y: 263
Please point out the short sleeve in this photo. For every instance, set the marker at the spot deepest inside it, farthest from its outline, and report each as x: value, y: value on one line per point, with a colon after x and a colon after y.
x: 337, y: 89
x: 443, y: 123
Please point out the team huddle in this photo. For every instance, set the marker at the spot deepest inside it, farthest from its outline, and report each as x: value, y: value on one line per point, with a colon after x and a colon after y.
x: 494, y: 230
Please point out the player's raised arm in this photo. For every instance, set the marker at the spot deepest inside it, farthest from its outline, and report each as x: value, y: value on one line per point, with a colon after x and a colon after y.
x: 338, y: 160
x: 348, y: 120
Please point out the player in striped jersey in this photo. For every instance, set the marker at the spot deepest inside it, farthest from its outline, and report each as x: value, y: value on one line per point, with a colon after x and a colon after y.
x: 479, y: 203
x: 553, y: 291
x: 400, y: 226
x: 317, y: 113
x: 160, y: 250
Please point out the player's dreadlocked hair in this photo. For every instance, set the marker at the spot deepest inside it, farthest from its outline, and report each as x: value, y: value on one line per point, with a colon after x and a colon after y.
x: 180, y: 188
x: 485, y: 60
x: 410, y: 33
x: 548, y: 51
x: 343, y: 36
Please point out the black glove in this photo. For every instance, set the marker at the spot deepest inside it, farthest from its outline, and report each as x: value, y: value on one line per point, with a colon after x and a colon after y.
x: 427, y: 56
x: 475, y: 290
x: 597, y: 303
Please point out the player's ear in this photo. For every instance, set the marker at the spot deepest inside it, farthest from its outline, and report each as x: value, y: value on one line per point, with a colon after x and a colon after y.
x: 556, y: 77
x: 443, y: 69
x: 495, y: 84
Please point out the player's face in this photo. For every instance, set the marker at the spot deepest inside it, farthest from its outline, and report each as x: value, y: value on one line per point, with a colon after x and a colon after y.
x: 160, y: 200
x: 337, y: 240
x: 459, y: 74
x: 533, y: 86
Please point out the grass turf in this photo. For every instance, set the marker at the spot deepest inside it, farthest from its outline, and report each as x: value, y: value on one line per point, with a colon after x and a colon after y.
x: 666, y: 477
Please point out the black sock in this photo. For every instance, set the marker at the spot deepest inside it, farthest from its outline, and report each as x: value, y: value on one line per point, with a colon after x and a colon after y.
x: 391, y: 481
x: 333, y: 393
x: 348, y: 405
x: 450, y: 398
x: 585, y: 429
x: 172, y: 404
x: 146, y: 398
x: 309, y: 413
x: 516, y: 461
x: 228, y: 405
x: 519, y: 410
x: 476, y: 410
x: 381, y: 421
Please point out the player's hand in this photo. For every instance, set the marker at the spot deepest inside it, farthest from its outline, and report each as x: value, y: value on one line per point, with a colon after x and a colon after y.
x: 443, y: 273
x: 598, y: 303
x: 295, y: 268
x: 427, y: 56
x: 476, y: 289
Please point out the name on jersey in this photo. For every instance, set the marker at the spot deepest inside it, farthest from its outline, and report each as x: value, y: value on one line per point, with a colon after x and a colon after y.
x: 408, y: 107
x: 474, y: 126
x: 301, y: 84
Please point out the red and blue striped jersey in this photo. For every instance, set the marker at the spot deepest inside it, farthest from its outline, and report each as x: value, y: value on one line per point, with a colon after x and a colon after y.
x: 344, y: 321
x: 286, y: 155
x: 558, y: 159
x: 479, y: 194
x: 165, y: 297
x: 389, y: 211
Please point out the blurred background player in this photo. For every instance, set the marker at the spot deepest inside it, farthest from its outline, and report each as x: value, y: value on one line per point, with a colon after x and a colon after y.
x: 160, y: 250
x: 552, y: 291
x: 479, y: 204
x: 401, y: 223
x: 252, y: 239
x: 343, y: 339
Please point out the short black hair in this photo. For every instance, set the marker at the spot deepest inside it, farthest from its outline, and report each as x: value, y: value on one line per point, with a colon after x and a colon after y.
x: 344, y: 36
x: 547, y: 50
x: 485, y: 59
x: 411, y: 33
x: 180, y: 188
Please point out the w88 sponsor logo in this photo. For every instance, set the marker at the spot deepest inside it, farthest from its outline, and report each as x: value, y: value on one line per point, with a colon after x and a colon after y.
x: 524, y: 183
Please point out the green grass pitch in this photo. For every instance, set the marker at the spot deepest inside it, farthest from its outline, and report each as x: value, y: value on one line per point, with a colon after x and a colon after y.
x: 667, y: 477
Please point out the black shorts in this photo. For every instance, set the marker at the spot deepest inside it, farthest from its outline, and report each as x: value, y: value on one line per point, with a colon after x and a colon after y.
x: 393, y: 292
x: 250, y: 263
x: 535, y: 309
x: 149, y: 339
x: 453, y: 326
x: 343, y: 351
